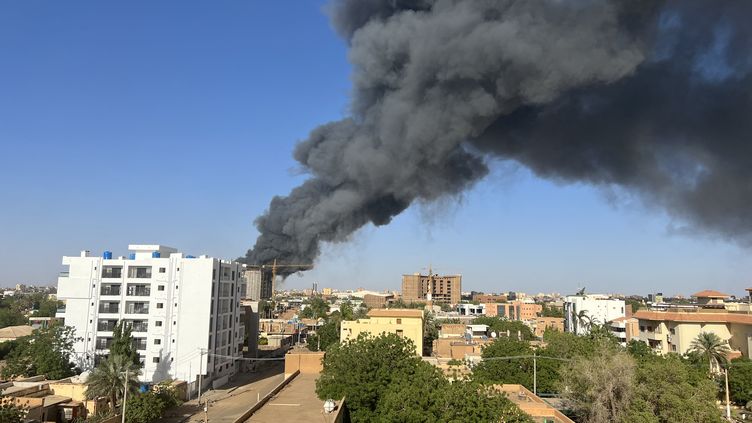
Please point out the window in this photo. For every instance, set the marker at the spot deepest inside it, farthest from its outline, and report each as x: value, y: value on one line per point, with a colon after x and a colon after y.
x: 162, y: 270
x: 158, y: 323
x: 160, y: 287
x: 155, y: 360
x: 112, y: 271
x: 399, y: 321
x: 160, y: 305
x: 400, y: 333
x: 673, y: 347
x: 673, y: 331
x: 139, y: 272
x: 157, y: 342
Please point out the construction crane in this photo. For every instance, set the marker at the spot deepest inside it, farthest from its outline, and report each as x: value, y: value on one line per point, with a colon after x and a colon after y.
x: 274, y: 266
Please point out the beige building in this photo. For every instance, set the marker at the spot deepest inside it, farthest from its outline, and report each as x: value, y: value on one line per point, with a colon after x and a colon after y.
x: 674, y: 330
x: 624, y: 329
x: 11, y: 333
x: 532, y: 405
x: 543, y: 323
x: 515, y: 310
x: 432, y: 287
x: 378, y: 300
x: 404, y: 323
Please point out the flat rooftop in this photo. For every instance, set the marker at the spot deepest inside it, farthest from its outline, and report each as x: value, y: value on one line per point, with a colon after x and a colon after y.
x: 296, y: 402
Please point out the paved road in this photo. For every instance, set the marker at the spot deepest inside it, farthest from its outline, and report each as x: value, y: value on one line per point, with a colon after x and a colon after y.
x: 232, y: 400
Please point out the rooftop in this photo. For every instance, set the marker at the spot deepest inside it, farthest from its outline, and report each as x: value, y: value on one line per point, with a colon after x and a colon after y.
x: 694, y: 316
x: 531, y: 404
x: 710, y: 293
x: 391, y: 312
x: 16, y: 331
x: 297, y: 401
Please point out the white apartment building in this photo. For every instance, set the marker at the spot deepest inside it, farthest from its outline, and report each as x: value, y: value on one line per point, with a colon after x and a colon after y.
x: 580, y: 311
x: 184, y: 311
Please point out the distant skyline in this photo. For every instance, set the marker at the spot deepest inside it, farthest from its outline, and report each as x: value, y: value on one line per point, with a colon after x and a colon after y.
x: 174, y: 124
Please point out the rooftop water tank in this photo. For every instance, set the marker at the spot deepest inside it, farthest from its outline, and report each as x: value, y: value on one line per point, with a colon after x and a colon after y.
x: 189, y: 256
x: 155, y: 254
x: 132, y: 256
x: 107, y: 255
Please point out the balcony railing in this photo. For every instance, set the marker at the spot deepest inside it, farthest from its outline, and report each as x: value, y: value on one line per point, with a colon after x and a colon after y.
x: 137, y: 309
x: 110, y: 290
x: 106, y: 325
x: 104, y: 343
x: 139, y: 343
x: 64, y: 274
x: 139, y: 326
x: 138, y: 291
x: 109, y: 308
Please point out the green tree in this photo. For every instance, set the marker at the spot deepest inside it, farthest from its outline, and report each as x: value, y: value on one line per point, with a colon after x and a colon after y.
x: 639, y: 349
x: 430, y: 332
x: 550, y: 311
x: 362, y: 370
x: 740, y: 380
x: 667, y: 389
x: 495, y: 368
x: 47, y: 307
x: 108, y: 380
x: 501, y: 326
x: 319, y: 309
x: 45, y: 352
x: 326, y: 335
x: 636, y: 304
x: 122, y: 343
x: 713, y: 348
x: 10, y: 413
x: 347, y: 311
x: 598, y: 389
x: 148, y: 407
x: 11, y: 317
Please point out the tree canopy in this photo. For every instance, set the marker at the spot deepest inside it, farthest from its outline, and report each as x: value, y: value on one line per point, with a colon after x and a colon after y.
x: 740, y: 380
x: 384, y: 380
x: 501, y: 326
x: 326, y: 335
x: 122, y: 343
x: 46, y: 352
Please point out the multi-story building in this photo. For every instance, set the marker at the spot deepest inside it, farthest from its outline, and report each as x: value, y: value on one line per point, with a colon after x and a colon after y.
x: 184, y: 311
x: 583, y: 311
x: 466, y: 309
x: 431, y: 287
x: 258, y: 282
x: 515, y: 310
x: 377, y: 300
x: 624, y: 329
x: 673, y: 329
x: 489, y: 298
x: 403, y: 322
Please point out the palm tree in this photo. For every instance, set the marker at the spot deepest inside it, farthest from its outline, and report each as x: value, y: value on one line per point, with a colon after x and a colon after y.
x: 712, y: 347
x: 584, y: 320
x: 108, y: 380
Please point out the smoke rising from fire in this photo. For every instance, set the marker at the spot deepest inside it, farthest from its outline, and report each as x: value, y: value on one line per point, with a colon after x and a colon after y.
x: 652, y: 97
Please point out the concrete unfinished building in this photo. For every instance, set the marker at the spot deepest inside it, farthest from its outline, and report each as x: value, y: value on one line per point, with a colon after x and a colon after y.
x: 432, y: 287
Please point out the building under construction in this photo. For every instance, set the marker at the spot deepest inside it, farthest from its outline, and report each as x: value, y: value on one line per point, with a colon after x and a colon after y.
x: 431, y: 287
x: 258, y: 282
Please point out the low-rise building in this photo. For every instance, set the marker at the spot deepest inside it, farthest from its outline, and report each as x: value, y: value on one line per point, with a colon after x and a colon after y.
x: 403, y: 322
x: 583, y: 311
x: 466, y: 309
x: 541, y: 324
x: 489, y: 298
x: 532, y: 405
x: 11, y: 333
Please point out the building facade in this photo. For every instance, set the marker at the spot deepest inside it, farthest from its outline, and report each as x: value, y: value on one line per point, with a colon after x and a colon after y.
x: 674, y: 330
x: 624, y: 329
x: 582, y: 311
x: 432, y: 287
x: 184, y: 311
x: 466, y: 309
x: 403, y: 322
x: 378, y: 300
x: 515, y: 310
x: 547, y: 323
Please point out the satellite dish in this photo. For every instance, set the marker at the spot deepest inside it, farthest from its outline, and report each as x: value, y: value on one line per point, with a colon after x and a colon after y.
x: 493, y: 335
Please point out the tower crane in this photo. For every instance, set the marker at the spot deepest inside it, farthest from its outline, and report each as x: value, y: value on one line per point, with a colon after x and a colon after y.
x: 274, y: 266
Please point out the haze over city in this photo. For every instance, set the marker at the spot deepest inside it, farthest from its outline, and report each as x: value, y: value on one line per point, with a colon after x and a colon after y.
x: 119, y: 129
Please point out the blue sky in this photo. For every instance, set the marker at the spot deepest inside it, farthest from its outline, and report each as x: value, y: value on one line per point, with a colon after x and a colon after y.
x: 174, y: 122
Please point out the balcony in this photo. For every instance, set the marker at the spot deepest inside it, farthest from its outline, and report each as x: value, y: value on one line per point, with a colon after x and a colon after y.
x: 139, y: 272
x: 109, y: 307
x: 138, y: 325
x: 138, y: 290
x: 113, y: 272
x: 103, y: 343
x: 63, y: 274
x: 110, y: 290
x: 137, y: 308
x: 106, y: 325
x: 139, y: 343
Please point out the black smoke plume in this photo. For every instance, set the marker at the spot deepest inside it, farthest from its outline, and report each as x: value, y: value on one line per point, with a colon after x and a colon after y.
x: 653, y: 97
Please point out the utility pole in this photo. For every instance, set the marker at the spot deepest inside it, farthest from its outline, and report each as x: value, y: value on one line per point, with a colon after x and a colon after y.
x: 728, y: 404
x: 200, y: 374
x: 125, y: 393
x: 535, y: 374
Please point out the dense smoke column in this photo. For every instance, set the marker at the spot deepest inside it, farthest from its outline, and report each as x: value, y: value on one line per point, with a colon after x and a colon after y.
x: 652, y: 97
